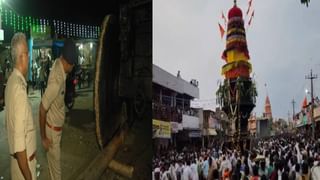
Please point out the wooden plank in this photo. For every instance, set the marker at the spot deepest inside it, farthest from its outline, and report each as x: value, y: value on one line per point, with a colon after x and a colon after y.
x: 121, y: 169
x: 96, y: 168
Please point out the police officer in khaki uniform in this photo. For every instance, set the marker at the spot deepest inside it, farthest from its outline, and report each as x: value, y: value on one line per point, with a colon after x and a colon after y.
x: 52, y: 107
x: 18, y: 114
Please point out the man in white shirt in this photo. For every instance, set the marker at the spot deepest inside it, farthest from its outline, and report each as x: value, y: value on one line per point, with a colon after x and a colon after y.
x: 156, y: 174
x: 178, y: 169
x: 315, y: 171
x: 166, y: 173
x: 187, y: 172
x: 194, y: 168
x: 224, y: 165
x: 172, y: 171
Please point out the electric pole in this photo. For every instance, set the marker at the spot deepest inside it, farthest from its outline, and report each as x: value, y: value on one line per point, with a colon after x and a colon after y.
x: 293, y: 113
x: 312, y: 77
x: 289, y: 116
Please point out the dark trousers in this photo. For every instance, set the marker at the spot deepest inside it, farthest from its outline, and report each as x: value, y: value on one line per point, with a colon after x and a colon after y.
x: 42, y: 87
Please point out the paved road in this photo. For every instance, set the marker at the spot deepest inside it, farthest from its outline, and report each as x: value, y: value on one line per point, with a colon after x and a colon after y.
x: 78, y: 144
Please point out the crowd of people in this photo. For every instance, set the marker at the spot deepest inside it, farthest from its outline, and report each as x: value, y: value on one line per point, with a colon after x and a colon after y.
x: 293, y: 157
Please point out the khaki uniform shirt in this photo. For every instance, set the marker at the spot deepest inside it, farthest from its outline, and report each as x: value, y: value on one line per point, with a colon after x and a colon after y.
x: 18, y: 115
x: 53, y: 98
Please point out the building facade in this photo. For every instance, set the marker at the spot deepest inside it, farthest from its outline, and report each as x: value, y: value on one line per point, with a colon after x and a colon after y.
x: 175, y: 123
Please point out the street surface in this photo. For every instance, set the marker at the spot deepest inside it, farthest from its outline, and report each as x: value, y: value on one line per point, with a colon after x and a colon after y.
x: 79, y: 145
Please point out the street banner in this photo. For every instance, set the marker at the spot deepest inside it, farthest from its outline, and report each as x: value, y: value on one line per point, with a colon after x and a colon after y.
x: 174, y: 127
x: 213, y: 122
x: 299, y: 120
x: 161, y: 129
x: 190, y: 122
x: 195, y: 134
x: 316, y: 113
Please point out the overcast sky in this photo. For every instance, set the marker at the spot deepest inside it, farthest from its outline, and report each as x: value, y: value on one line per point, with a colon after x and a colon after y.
x: 283, y: 42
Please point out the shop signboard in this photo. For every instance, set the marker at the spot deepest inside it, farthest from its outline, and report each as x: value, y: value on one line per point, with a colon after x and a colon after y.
x: 174, y: 127
x: 316, y: 113
x: 161, y: 129
x: 299, y: 120
x: 190, y: 122
x: 195, y: 134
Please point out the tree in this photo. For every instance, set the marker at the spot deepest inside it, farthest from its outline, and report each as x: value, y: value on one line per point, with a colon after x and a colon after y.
x: 305, y: 2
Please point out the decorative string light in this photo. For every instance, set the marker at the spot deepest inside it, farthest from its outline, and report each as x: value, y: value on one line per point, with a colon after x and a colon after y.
x: 77, y: 31
x: 81, y: 30
x: 6, y: 17
x: 68, y: 29
x: 87, y: 31
x: 33, y: 25
x: 56, y: 27
x: 15, y: 23
x: 22, y: 23
x: 30, y: 23
x: 38, y: 26
x: 11, y: 18
x: 74, y: 30
x: 59, y: 27
x: 71, y: 29
x: 64, y: 28
x: 90, y: 31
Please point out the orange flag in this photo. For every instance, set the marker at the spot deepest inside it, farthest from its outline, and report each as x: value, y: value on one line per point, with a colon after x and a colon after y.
x: 251, y: 18
x: 224, y: 18
x: 248, y: 11
x: 221, y: 30
x: 250, y: 2
x: 304, y: 103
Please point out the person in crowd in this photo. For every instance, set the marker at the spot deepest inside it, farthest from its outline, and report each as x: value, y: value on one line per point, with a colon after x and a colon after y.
x: 194, y: 169
x: 226, y: 174
x: 187, y: 172
x: 262, y: 168
x: 205, y: 167
x: 172, y: 170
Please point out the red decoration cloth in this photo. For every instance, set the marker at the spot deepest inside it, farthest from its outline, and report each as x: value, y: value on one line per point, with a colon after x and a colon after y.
x: 234, y: 12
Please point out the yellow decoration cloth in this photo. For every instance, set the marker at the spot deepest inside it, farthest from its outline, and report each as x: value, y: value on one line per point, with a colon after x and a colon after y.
x: 235, y: 55
x: 235, y: 64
